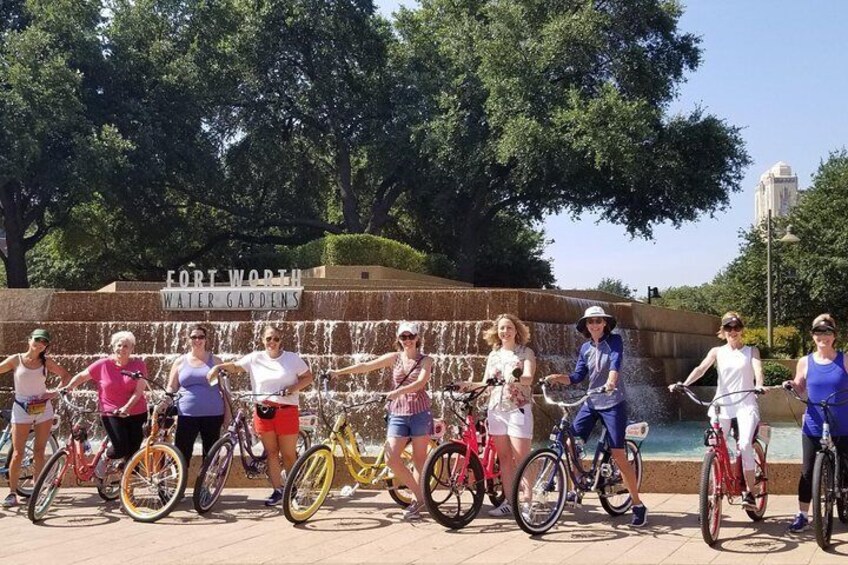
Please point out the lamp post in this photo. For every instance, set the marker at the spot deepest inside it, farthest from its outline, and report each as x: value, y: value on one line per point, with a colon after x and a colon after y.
x: 789, y: 237
x: 653, y: 292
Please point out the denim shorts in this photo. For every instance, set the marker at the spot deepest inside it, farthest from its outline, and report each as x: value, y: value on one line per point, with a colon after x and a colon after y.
x: 416, y: 425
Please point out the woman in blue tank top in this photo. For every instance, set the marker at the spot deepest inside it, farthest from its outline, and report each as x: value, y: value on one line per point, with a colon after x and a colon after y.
x: 821, y: 373
x: 201, y: 407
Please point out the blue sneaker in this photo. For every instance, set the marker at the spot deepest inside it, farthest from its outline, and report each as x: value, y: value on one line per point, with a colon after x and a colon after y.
x: 640, y: 516
x: 799, y: 524
x: 574, y: 499
x: 275, y: 498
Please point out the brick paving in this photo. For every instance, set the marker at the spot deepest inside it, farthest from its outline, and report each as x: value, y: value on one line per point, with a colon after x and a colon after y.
x: 368, y: 529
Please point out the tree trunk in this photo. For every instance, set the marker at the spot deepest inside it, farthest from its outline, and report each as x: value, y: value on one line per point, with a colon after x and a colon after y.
x: 350, y: 207
x: 469, y: 248
x: 15, y: 259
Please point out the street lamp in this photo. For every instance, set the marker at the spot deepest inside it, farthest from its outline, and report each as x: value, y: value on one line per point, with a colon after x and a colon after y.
x: 789, y: 237
x: 653, y: 292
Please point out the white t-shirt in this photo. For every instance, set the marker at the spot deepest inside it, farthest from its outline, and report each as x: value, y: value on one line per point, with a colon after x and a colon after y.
x: 269, y: 375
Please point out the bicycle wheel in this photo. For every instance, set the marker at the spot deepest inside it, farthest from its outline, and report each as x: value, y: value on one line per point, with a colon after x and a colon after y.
x: 451, y: 500
x: 47, y: 485
x: 213, y: 475
x: 309, y: 483
x: 26, y: 478
x: 616, y: 499
x: 400, y: 493
x: 304, y: 442
x: 153, y: 482
x: 760, y: 488
x: 710, y: 498
x: 539, y: 491
x: 823, y: 498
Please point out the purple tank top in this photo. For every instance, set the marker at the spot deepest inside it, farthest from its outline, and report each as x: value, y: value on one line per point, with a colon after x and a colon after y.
x: 197, y: 397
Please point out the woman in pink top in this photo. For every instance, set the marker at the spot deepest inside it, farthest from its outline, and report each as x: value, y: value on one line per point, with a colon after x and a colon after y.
x: 120, y: 395
x: 409, y: 409
x: 31, y: 407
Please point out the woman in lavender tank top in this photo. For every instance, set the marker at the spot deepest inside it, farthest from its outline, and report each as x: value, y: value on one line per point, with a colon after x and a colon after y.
x: 410, y: 418
x: 201, y: 406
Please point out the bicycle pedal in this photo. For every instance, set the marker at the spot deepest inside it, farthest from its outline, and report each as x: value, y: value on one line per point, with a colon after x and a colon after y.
x: 348, y: 491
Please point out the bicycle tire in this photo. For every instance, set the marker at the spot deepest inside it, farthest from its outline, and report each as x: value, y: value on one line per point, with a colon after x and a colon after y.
x: 213, y: 475
x: 309, y: 483
x: 611, y: 502
x: 544, y: 470
x: 304, y: 442
x: 760, y: 484
x: 47, y: 485
x: 443, y: 465
x: 710, y: 498
x: 494, y: 486
x: 26, y: 478
x: 153, y: 482
x: 823, y: 498
x: 400, y: 493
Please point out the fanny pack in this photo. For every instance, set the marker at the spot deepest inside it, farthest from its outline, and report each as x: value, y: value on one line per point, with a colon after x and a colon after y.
x: 33, y: 407
x: 266, y: 412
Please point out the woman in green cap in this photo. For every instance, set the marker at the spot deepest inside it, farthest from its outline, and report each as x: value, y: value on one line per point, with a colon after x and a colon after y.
x: 32, y: 407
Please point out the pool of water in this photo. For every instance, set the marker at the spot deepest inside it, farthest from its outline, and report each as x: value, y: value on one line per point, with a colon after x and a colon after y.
x: 686, y: 440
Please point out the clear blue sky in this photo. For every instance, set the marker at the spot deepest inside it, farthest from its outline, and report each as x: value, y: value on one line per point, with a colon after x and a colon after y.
x: 776, y: 68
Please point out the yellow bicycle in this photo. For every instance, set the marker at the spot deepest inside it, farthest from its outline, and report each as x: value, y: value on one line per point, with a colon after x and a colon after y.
x: 312, y: 475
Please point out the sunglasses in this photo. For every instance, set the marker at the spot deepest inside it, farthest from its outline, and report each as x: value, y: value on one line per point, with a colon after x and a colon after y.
x: 733, y: 328
x: 197, y: 337
x: 406, y: 337
x: 41, y: 340
x: 271, y: 338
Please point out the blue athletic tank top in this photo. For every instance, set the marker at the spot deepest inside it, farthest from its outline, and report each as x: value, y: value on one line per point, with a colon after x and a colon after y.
x: 822, y: 381
x: 198, y: 398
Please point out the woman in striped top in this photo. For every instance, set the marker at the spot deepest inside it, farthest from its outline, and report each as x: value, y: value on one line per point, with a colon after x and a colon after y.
x: 409, y: 407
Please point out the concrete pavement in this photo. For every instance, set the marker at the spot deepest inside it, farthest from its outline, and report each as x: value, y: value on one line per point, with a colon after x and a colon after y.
x: 368, y: 529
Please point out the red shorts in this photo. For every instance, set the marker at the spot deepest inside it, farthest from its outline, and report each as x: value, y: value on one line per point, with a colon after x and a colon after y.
x: 286, y: 421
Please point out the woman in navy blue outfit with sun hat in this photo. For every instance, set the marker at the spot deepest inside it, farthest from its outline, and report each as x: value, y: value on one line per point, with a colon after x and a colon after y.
x: 600, y: 360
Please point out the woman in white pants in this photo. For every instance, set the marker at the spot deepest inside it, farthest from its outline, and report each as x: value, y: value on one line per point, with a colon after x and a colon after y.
x: 739, y: 368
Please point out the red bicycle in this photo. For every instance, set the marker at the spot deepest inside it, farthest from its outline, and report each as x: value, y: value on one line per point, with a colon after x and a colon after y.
x: 456, y: 474
x: 721, y: 475
x: 76, y: 454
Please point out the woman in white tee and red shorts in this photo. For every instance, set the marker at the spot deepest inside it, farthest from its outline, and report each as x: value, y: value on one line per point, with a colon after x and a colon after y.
x: 276, y: 417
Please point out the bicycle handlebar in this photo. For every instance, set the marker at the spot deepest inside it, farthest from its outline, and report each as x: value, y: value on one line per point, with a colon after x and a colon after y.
x: 468, y: 395
x: 823, y: 403
x: 680, y: 387
x: 577, y: 402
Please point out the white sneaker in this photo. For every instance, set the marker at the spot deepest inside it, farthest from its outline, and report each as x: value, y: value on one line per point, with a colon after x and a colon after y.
x: 503, y: 510
x: 413, y: 511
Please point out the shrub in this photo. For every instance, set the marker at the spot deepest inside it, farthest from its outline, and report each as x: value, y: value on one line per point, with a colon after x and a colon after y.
x: 359, y: 249
x: 787, y: 342
x: 774, y: 373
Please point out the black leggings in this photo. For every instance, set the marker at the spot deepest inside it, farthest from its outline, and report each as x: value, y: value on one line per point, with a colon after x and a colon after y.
x: 125, y: 434
x: 188, y: 427
x: 810, y: 446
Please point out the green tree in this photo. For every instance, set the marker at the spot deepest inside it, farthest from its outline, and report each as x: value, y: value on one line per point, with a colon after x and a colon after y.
x: 701, y: 298
x: 531, y: 107
x: 54, y: 146
x: 615, y: 286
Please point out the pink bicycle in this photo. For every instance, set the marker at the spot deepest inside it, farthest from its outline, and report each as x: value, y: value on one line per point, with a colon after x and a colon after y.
x: 456, y: 474
x: 87, y: 466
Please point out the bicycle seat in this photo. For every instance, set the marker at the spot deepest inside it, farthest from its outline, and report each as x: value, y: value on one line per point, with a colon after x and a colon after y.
x: 6, y: 414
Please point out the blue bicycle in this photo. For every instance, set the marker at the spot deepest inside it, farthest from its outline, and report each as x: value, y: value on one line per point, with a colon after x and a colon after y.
x: 550, y: 476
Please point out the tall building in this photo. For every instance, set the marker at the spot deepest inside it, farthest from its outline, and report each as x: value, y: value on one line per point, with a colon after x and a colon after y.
x: 777, y: 191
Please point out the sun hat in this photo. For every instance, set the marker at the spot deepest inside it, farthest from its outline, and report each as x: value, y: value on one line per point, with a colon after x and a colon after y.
x: 407, y: 327
x: 40, y: 333
x: 732, y: 319
x: 595, y: 312
x: 824, y: 325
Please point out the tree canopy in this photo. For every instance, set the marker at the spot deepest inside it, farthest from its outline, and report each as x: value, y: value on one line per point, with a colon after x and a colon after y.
x: 165, y: 132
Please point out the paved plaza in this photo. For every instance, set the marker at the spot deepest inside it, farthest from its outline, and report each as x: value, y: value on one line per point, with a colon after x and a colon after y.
x: 368, y: 529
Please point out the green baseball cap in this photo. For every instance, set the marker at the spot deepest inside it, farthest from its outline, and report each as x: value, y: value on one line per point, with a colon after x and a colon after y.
x: 40, y: 333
